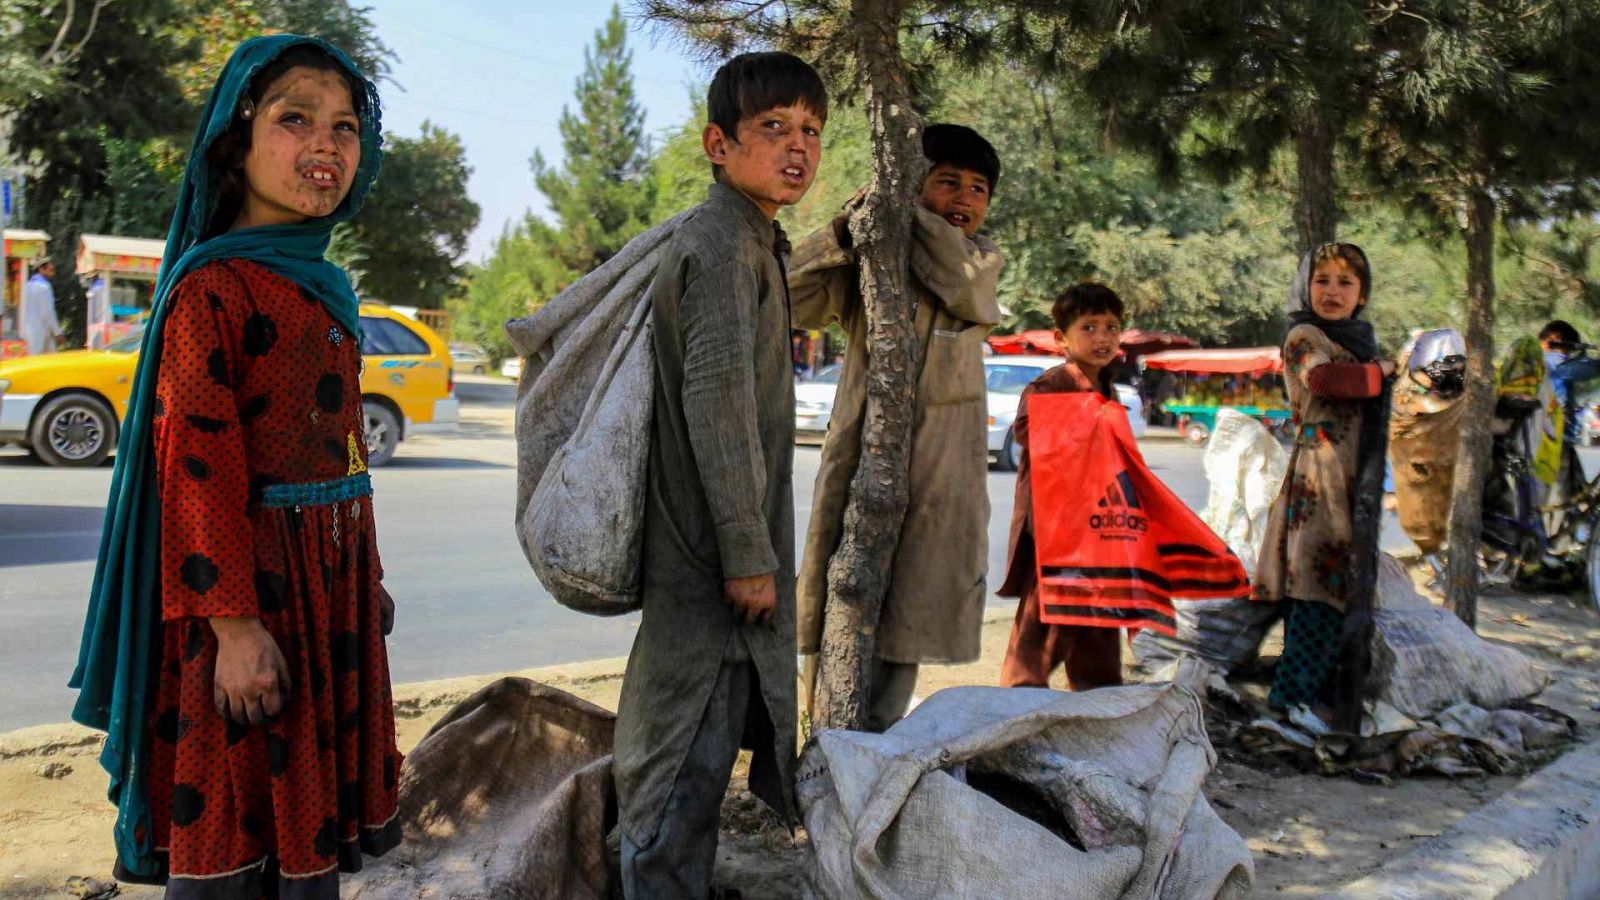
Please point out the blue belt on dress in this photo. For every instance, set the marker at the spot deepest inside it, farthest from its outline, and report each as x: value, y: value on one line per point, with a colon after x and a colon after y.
x: 318, y: 493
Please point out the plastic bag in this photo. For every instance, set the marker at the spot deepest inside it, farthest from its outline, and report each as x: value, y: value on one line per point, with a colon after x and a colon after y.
x: 1115, y: 545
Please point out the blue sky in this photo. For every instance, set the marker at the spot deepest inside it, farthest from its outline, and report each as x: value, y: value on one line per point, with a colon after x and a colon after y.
x: 497, y: 73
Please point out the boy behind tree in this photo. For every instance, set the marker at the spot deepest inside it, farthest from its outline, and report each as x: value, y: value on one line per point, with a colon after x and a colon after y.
x: 934, y: 608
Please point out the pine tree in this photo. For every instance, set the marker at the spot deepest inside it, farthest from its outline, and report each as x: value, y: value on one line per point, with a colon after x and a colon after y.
x: 603, y: 193
x: 1486, y: 115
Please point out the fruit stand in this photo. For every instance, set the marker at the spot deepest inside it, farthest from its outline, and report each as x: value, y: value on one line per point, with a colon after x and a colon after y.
x: 1248, y: 380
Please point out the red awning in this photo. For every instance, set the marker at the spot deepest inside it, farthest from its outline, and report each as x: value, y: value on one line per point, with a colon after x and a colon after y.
x: 1040, y: 342
x: 1138, y: 342
x: 1043, y: 342
x: 1248, y: 359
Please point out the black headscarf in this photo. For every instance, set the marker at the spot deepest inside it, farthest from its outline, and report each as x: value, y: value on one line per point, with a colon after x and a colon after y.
x: 1352, y: 334
x: 1366, y: 492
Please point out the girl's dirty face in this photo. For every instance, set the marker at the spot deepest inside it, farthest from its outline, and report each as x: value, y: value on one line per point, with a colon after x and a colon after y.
x: 1335, y: 290
x: 305, y: 147
x: 1092, y: 341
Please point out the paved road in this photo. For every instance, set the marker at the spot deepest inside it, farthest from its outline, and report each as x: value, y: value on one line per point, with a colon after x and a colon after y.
x: 468, y: 602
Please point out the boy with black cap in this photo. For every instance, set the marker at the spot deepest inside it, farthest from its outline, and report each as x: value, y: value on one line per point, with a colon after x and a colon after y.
x: 934, y: 608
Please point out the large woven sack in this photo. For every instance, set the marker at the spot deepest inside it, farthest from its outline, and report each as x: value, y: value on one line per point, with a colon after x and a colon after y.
x: 1425, y: 660
x: 1424, y: 432
x: 1023, y: 793
x: 509, y: 795
x: 584, y: 402
x: 1244, y: 466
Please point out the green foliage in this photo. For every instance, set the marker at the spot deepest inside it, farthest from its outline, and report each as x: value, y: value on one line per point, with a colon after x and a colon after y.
x: 517, y: 277
x: 602, y: 195
x: 403, y: 246
x: 143, y: 177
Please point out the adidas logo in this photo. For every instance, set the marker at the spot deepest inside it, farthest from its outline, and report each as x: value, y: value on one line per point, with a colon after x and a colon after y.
x: 1119, y: 507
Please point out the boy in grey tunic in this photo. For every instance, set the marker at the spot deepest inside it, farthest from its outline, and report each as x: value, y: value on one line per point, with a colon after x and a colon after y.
x: 713, y: 665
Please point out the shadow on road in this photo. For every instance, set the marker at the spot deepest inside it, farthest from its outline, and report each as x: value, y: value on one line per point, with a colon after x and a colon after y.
x: 40, y: 535
x: 18, y: 460
x: 437, y: 462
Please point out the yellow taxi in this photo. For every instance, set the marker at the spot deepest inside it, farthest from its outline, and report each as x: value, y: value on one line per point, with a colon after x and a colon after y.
x: 67, y: 407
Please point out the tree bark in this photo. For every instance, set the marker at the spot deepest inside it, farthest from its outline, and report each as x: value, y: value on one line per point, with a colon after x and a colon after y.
x: 1316, y: 208
x: 1472, y: 460
x: 858, y: 573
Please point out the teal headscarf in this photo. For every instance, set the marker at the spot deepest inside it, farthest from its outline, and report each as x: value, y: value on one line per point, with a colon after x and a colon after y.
x: 117, y: 661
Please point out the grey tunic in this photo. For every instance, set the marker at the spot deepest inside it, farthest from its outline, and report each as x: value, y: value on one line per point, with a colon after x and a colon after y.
x: 719, y: 504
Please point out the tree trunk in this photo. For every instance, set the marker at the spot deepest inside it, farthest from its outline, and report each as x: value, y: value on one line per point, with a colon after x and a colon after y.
x: 1316, y: 208
x: 858, y: 573
x: 1472, y: 460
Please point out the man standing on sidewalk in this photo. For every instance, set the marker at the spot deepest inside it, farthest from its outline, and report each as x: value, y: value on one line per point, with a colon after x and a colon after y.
x: 40, y: 328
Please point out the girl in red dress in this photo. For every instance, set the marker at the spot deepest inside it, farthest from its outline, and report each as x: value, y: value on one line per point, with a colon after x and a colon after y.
x: 268, y: 745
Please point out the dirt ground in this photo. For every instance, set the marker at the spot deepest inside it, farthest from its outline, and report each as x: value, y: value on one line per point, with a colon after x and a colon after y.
x: 1308, y: 832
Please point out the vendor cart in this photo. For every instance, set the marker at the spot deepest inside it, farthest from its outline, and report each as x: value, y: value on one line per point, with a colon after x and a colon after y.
x: 1248, y: 380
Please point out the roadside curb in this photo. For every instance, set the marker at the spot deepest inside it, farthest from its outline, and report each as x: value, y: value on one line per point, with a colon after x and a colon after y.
x: 411, y: 701
x: 1541, y: 839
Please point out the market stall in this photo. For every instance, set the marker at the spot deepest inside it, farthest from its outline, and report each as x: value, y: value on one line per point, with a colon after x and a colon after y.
x: 21, y: 249
x: 120, y: 275
x: 1249, y: 380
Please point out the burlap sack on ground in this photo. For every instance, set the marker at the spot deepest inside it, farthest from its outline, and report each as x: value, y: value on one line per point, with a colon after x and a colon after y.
x: 509, y: 795
x: 1425, y: 660
x: 1023, y: 793
x: 583, y: 429
x: 1244, y: 465
x: 1423, y: 434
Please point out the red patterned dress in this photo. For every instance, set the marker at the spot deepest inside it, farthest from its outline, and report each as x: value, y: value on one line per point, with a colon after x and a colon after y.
x: 266, y: 511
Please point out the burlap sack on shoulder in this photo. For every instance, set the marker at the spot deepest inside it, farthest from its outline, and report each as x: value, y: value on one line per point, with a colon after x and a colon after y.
x: 584, y: 402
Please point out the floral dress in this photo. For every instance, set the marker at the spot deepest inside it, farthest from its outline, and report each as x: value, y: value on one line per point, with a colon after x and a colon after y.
x: 1306, y: 555
x: 266, y: 512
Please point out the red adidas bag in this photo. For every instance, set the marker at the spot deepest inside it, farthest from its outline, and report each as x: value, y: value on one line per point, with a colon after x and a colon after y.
x: 1114, y: 544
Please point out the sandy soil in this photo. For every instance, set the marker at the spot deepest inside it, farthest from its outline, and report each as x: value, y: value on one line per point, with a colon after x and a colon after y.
x: 1308, y: 832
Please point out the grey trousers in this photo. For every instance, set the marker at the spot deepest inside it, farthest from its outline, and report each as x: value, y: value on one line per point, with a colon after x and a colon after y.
x: 678, y: 862
x: 893, y: 685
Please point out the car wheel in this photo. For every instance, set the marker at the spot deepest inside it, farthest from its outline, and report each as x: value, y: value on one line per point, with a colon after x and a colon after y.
x: 74, y: 430
x: 478, y: 370
x: 1010, y: 454
x: 383, y: 433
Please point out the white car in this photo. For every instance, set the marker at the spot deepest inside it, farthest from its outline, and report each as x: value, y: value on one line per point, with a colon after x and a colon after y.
x: 813, y: 404
x: 512, y: 368
x: 1007, y: 376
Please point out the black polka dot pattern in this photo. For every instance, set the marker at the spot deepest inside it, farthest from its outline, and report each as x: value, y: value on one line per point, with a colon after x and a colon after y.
x: 260, y: 333
x: 195, y: 642
x: 327, y: 842
x: 187, y: 805
x: 196, y: 468
x: 200, y: 573
x: 330, y: 393
x: 217, y: 366
x: 207, y: 425
x: 255, y: 408
x: 271, y: 592
x: 346, y: 652
x: 277, y: 755
x: 255, y: 394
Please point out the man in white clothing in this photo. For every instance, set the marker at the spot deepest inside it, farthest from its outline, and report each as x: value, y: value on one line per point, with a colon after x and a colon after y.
x: 40, y: 329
